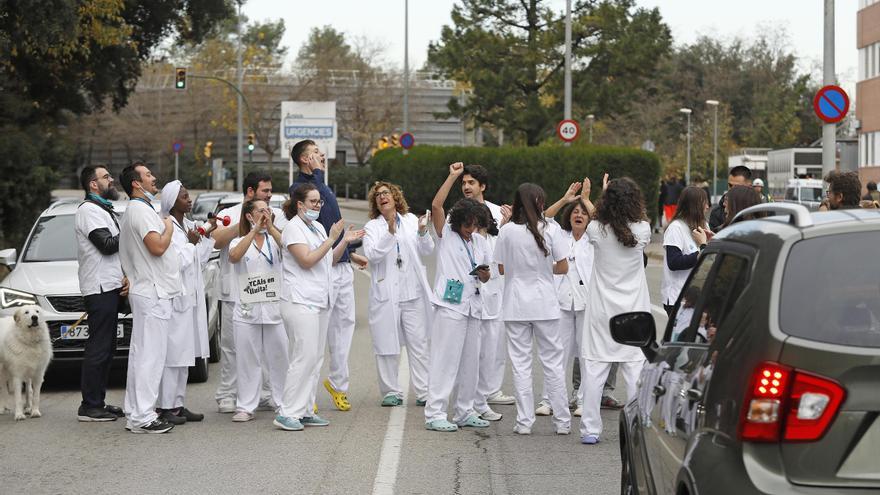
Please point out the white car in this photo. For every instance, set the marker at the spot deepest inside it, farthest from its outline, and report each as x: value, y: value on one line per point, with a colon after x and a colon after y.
x: 45, y: 273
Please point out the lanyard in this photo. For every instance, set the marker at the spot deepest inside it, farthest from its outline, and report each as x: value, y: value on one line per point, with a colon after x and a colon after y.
x: 174, y: 221
x: 144, y: 201
x: 271, y: 257
x: 399, y: 259
x: 466, y: 248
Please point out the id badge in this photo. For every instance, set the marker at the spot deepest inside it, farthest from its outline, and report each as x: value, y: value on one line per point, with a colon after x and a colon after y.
x: 454, y: 290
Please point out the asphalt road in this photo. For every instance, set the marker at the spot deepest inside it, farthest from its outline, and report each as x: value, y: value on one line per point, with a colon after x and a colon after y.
x: 369, y: 449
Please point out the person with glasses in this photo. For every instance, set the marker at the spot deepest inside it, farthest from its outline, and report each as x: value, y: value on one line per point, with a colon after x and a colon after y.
x: 260, y: 338
x: 307, y: 289
x: 400, y: 307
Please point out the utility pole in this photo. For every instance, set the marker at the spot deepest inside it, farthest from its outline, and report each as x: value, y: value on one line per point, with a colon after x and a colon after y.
x: 829, y: 138
x: 687, y: 176
x: 567, y: 62
x: 240, y: 76
x: 714, y: 103
x: 405, y: 68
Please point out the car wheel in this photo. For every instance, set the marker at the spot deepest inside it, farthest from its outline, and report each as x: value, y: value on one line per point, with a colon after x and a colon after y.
x: 626, y: 475
x: 199, y: 372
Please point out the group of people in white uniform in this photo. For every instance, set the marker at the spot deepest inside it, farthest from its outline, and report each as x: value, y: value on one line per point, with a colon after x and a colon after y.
x: 505, y: 277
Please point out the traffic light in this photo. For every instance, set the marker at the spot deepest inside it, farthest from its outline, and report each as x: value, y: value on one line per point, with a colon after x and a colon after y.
x: 180, y: 78
x: 395, y: 141
x: 383, y: 143
x: 251, y: 144
x: 208, y: 149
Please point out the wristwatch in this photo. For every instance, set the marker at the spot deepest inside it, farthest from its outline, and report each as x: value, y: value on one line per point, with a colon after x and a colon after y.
x: 702, y: 247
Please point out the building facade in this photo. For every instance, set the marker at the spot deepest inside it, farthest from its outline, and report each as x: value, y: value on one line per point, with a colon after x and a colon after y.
x: 868, y: 89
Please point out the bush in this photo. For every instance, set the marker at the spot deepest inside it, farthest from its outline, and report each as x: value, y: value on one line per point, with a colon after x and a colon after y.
x: 357, y: 178
x: 422, y: 171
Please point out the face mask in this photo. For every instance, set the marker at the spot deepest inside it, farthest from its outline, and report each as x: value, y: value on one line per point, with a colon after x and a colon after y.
x: 312, y: 215
x: 150, y: 197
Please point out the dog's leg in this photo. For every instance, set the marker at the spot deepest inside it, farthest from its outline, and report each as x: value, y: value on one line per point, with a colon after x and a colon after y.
x: 17, y: 384
x: 36, y: 385
x: 28, y: 397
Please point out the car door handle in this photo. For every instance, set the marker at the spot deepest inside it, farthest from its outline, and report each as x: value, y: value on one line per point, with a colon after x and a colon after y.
x: 659, y: 390
x: 694, y: 394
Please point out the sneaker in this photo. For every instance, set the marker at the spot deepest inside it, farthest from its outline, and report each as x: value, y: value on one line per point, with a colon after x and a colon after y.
x: 189, y: 415
x: 563, y: 430
x: 226, y: 406
x: 589, y: 439
x: 157, y: 426
x: 242, y: 417
x: 609, y: 402
x: 578, y: 412
x: 169, y: 416
x: 500, y: 399
x: 490, y: 415
x: 543, y: 409
x: 391, y: 400
x: 314, y: 420
x: 267, y: 405
x: 421, y: 402
x: 522, y: 430
x: 115, y: 410
x: 287, y: 423
x: 94, y: 415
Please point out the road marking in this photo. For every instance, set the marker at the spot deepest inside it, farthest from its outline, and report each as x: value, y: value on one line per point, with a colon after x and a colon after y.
x: 386, y: 474
x: 659, y: 435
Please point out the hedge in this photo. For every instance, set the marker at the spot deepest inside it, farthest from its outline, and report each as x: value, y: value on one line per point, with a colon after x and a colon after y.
x: 422, y: 171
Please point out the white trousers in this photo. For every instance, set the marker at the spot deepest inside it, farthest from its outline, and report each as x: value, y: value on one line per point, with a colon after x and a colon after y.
x: 146, y: 357
x: 493, y: 359
x: 571, y: 331
x: 307, y: 332
x: 260, y: 346
x: 172, y: 389
x: 593, y: 376
x: 411, y: 332
x: 227, y: 387
x: 550, y: 353
x: 340, y: 329
x: 454, y: 363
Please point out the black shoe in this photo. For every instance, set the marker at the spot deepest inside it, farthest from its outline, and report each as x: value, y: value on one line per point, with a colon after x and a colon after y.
x: 115, y: 410
x: 169, y: 416
x: 157, y: 426
x: 94, y: 415
x: 189, y: 415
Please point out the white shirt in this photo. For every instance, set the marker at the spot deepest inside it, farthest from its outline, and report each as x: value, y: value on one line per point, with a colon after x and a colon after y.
x: 529, y: 289
x: 456, y: 258
x: 677, y: 234
x: 571, y: 288
x: 311, y: 286
x: 495, y: 210
x: 228, y: 280
x: 148, y: 275
x: 258, y: 261
x: 97, y: 272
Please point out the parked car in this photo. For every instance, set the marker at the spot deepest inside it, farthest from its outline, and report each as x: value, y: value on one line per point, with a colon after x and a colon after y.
x: 231, y: 199
x: 205, y: 203
x: 767, y: 377
x: 45, y: 273
x: 806, y: 192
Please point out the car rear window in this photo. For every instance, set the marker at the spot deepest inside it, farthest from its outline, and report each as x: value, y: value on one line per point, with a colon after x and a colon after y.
x: 831, y: 290
x: 54, y: 239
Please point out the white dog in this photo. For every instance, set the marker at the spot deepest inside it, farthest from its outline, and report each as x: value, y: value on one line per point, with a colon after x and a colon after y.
x: 25, y: 352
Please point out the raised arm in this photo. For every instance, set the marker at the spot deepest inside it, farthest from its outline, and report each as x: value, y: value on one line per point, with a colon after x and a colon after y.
x: 223, y: 235
x: 570, y: 195
x: 438, y: 214
x: 237, y: 253
x: 349, y: 237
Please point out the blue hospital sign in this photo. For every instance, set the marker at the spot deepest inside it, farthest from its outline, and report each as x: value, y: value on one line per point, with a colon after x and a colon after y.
x: 296, y: 129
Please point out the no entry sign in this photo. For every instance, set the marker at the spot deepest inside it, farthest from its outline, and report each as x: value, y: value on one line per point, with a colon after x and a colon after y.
x: 407, y: 140
x: 568, y: 130
x: 831, y: 104
x: 176, y: 146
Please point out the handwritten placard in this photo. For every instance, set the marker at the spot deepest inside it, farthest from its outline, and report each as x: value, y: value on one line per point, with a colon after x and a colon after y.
x: 259, y: 287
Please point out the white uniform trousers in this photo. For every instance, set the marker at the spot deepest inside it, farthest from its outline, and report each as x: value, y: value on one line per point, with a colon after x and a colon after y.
x: 454, y: 363
x: 172, y: 389
x: 179, y: 356
x: 227, y: 387
x: 146, y: 357
x: 493, y: 358
x: 550, y: 353
x: 340, y: 330
x: 258, y: 346
x: 571, y: 331
x: 307, y: 332
x: 593, y: 376
x: 411, y: 332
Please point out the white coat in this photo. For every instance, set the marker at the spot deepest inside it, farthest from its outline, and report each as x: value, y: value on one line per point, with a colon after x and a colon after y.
x: 571, y: 293
x: 183, y: 348
x: 380, y: 248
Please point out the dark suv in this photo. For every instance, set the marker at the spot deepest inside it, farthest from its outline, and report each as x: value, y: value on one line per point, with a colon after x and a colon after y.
x: 767, y: 377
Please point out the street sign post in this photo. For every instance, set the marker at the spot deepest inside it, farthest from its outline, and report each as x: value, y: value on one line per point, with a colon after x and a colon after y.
x: 176, y: 147
x: 831, y: 104
x: 407, y: 140
x: 568, y: 130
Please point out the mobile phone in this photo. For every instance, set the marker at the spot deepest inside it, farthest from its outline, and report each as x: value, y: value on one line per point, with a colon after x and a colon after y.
x: 480, y: 267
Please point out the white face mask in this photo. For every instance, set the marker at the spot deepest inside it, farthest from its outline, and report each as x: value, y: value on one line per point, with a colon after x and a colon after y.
x: 312, y: 215
x: 150, y: 197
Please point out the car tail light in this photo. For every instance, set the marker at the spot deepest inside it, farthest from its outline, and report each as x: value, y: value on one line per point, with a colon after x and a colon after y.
x: 787, y: 404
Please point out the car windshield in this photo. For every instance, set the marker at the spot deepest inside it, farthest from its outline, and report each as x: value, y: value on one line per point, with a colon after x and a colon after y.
x: 813, y: 194
x: 831, y: 290
x: 203, y: 206
x: 53, y: 240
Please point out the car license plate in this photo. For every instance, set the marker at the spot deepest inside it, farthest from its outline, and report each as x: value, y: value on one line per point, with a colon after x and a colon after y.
x: 81, y: 332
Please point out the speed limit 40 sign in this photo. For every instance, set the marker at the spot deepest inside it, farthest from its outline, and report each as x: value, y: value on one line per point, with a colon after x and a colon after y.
x: 568, y: 130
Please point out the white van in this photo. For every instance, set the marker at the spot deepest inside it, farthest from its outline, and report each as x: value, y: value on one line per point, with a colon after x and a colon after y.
x: 807, y: 192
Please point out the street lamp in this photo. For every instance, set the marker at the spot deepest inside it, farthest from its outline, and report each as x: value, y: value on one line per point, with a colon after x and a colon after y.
x: 590, y: 119
x: 687, y: 176
x: 714, y: 103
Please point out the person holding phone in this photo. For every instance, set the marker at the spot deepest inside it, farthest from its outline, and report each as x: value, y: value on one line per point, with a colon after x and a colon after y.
x: 400, y: 307
x: 455, y: 337
x: 307, y: 289
x: 259, y: 330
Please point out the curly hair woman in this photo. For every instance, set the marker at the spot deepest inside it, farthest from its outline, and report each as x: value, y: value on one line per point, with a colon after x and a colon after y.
x: 619, y: 235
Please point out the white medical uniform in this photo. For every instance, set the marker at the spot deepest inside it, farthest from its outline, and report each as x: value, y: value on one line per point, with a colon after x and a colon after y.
x: 154, y: 282
x: 228, y: 295
x: 260, y: 336
x: 306, y: 293
x: 618, y: 285
x: 455, y: 334
x: 531, y: 310
x: 677, y: 234
x: 340, y: 330
x: 400, y: 307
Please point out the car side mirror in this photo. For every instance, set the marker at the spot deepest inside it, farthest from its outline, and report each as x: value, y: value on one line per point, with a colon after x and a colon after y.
x: 8, y: 257
x: 635, y: 329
